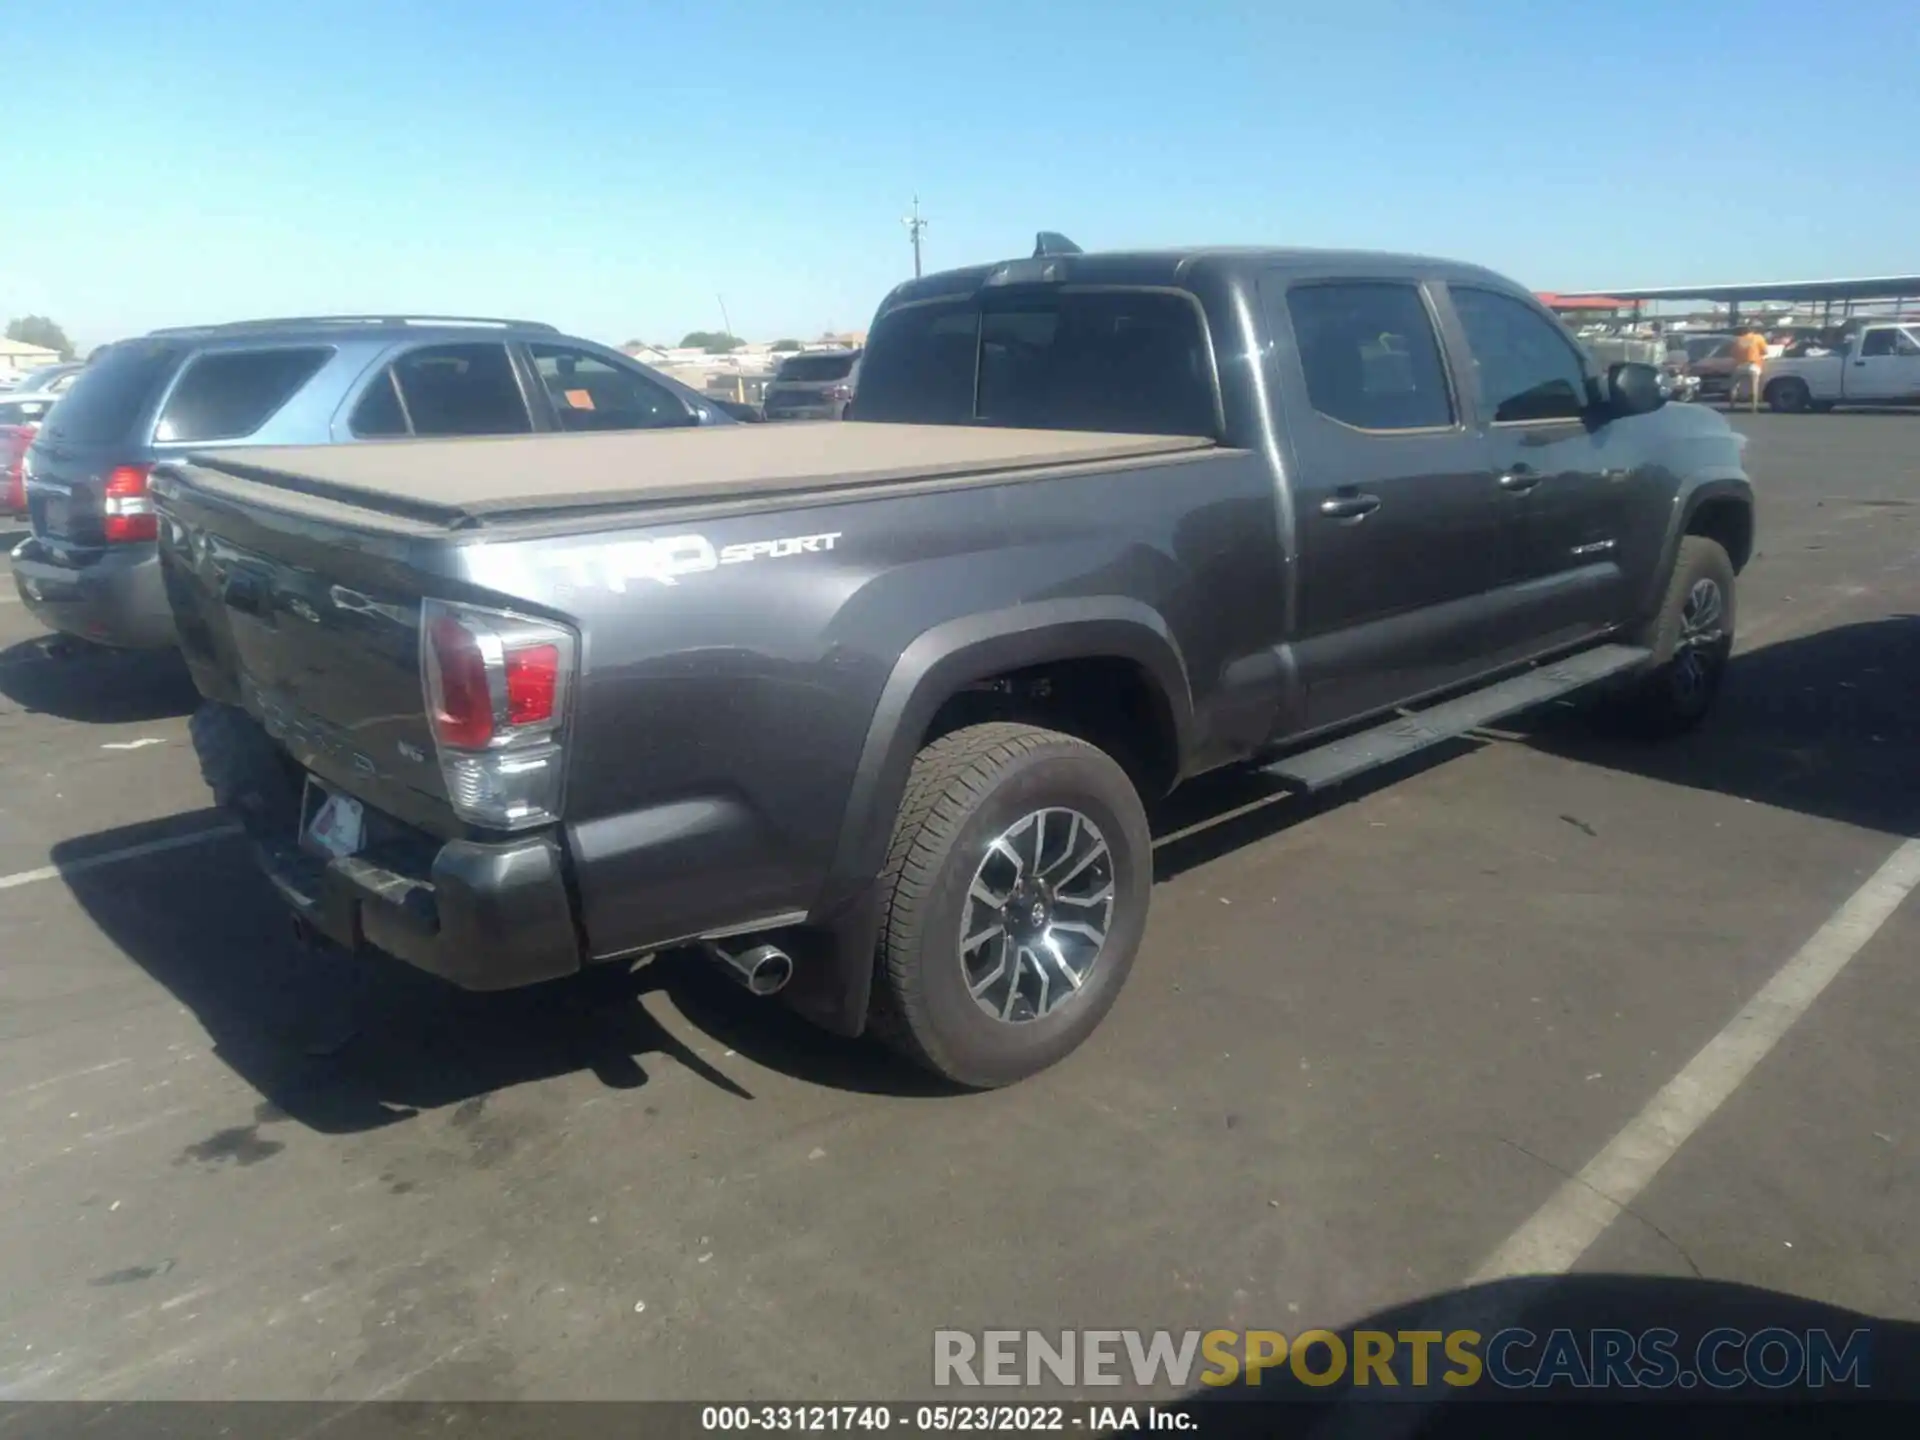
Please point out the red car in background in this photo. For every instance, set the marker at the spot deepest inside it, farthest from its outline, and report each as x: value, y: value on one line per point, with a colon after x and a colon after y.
x: 20, y: 417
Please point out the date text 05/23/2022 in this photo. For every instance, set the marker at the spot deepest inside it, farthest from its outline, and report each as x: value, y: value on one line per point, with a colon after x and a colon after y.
x: 945, y: 1419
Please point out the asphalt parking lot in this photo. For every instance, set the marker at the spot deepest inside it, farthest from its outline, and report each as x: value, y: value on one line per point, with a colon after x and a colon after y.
x: 1367, y: 1045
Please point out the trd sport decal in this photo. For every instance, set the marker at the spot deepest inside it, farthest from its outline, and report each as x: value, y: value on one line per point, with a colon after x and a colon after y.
x: 665, y: 561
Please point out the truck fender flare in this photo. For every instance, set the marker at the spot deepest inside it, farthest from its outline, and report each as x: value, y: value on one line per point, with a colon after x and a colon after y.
x: 952, y: 655
x: 1687, y: 504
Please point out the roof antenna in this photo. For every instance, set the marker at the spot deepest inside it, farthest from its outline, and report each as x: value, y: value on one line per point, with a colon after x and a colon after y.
x: 1052, y: 242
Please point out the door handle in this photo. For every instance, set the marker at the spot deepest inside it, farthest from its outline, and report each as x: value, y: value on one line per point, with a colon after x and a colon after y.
x: 1350, y: 507
x: 1519, y: 480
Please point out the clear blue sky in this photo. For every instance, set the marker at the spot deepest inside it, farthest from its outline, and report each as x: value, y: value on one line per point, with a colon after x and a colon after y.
x: 611, y: 165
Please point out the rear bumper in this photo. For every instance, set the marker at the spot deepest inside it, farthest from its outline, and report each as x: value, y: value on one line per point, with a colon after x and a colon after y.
x: 115, y: 597
x: 825, y: 410
x: 485, y: 917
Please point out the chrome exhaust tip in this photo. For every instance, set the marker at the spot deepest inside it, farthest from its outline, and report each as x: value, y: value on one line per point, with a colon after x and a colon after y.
x: 760, y: 969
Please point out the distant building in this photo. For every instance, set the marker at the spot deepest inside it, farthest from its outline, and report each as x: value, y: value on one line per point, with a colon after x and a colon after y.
x: 17, y: 357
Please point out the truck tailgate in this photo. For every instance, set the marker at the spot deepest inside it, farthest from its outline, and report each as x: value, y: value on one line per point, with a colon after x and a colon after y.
x: 315, y: 630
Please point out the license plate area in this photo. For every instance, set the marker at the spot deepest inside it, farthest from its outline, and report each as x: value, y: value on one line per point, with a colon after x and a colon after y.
x: 331, y: 824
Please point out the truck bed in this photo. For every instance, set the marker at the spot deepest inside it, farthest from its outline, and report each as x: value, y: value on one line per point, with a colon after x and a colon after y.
x: 460, y: 483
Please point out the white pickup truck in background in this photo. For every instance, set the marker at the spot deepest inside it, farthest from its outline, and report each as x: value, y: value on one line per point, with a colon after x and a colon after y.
x: 1878, y: 365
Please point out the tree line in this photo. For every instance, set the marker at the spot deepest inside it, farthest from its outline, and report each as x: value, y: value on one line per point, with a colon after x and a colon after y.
x: 39, y: 330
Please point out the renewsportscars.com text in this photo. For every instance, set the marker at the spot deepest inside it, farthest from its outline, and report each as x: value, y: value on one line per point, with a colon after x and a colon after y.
x: 1511, y: 1359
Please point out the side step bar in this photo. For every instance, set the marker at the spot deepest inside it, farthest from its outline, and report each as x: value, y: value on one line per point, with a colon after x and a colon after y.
x: 1344, y: 758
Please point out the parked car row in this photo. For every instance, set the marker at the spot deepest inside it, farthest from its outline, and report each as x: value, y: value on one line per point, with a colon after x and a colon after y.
x: 1877, y: 364
x: 47, y: 380
x: 89, y: 568
x: 23, y: 406
x: 1864, y: 364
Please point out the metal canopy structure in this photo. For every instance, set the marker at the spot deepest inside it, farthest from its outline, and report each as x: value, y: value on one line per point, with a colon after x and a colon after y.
x: 1825, y: 293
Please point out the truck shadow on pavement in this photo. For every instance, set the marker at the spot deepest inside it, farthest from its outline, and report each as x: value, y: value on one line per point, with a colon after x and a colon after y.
x: 343, y: 1044
x: 1826, y: 724
x: 1877, y: 1397
x: 96, y: 686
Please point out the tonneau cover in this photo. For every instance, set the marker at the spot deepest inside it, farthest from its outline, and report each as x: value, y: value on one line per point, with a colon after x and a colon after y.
x: 468, y: 479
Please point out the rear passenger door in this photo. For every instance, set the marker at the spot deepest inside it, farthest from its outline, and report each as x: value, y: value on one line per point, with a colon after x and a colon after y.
x: 1566, y: 481
x: 462, y: 388
x: 1397, y: 525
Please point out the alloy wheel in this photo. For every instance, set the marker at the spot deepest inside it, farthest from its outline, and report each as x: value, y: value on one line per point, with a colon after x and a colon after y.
x: 1037, y: 915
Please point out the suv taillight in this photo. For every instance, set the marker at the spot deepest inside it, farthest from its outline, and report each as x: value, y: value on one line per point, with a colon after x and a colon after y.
x: 838, y: 393
x: 497, y: 688
x: 14, y: 440
x: 129, y: 513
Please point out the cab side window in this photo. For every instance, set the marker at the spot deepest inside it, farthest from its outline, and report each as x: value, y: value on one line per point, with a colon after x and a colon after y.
x: 1528, y: 367
x: 590, y: 393
x: 1370, y: 356
x: 1888, y: 342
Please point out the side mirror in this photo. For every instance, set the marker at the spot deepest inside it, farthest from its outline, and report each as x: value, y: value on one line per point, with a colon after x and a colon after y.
x: 1634, y: 389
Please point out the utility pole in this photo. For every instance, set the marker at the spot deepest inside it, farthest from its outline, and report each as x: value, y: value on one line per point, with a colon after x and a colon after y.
x: 724, y: 318
x: 914, y: 226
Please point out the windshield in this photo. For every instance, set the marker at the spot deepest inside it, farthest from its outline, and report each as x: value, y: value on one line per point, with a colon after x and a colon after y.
x: 23, y: 412
x: 41, y: 378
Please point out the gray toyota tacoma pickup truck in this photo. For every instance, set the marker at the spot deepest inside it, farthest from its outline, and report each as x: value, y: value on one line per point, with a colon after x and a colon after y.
x: 873, y: 713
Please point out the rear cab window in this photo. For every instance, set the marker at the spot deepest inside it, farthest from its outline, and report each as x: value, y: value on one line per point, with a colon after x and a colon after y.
x: 228, y: 395
x: 921, y: 361
x: 463, y: 388
x: 1125, y: 361
x: 115, y: 393
x: 811, y: 368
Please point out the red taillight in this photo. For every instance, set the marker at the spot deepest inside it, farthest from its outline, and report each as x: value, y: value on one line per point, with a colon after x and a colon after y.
x: 462, y: 703
x: 497, y: 687
x: 533, y: 679
x: 128, y: 507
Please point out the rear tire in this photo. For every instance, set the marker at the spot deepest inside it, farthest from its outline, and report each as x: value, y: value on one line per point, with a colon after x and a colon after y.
x: 250, y: 777
x: 1048, y: 824
x: 1789, y: 396
x: 1691, y: 638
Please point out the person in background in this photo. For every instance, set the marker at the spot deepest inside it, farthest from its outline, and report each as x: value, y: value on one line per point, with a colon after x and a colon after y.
x: 1749, y: 354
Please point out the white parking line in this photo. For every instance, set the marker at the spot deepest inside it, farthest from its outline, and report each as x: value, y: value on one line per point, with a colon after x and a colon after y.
x: 114, y: 857
x: 1561, y: 1230
x: 70, y: 1075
